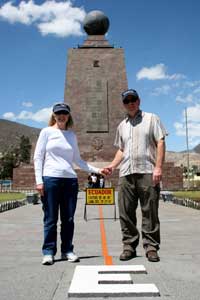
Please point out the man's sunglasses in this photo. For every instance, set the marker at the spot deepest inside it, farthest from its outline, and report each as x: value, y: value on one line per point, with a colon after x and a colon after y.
x: 132, y: 100
x: 62, y: 112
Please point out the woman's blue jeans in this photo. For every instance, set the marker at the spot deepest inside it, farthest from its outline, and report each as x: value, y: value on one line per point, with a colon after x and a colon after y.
x: 60, y: 194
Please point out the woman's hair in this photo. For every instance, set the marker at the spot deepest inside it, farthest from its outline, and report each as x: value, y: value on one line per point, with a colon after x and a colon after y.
x: 69, y: 123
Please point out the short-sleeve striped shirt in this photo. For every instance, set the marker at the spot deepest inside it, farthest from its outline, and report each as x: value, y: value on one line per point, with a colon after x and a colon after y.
x: 137, y: 137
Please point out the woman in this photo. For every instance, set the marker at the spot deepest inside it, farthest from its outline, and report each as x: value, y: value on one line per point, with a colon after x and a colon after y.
x: 56, y: 181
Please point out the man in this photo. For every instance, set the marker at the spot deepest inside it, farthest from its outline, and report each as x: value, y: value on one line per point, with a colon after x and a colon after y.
x: 94, y: 180
x: 141, y: 150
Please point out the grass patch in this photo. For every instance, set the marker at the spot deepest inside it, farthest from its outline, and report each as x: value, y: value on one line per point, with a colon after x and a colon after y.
x: 11, y: 196
x: 193, y: 195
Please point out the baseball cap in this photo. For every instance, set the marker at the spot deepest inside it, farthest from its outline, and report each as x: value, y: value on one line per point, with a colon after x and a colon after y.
x: 61, y: 107
x: 130, y: 92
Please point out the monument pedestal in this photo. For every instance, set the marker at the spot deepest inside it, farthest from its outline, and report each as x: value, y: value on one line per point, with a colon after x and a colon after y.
x: 95, y: 79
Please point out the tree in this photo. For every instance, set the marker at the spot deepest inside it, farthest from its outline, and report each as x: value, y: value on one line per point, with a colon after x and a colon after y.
x: 14, y: 156
x: 195, y: 169
x: 25, y: 149
x: 9, y: 160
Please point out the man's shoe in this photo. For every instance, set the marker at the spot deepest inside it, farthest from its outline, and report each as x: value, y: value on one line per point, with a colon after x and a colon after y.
x: 48, y: 260
x: 70, y: 256
x: 127, y: 255
x: 152, y: 256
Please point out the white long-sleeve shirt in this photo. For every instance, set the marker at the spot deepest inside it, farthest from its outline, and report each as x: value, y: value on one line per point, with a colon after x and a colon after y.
x: 56, y: 151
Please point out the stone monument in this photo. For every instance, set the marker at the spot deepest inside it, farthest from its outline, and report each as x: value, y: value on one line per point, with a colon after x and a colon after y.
x: 95, y: 79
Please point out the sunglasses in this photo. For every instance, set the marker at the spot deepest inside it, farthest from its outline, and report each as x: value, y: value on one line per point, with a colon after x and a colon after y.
x: 132, y: 100
x: 62, y: 112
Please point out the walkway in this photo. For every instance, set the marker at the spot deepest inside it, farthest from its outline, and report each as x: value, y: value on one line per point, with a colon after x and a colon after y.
x: 22, y: 277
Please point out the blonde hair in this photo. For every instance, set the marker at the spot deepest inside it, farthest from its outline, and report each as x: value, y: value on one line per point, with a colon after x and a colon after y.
x: 69, y: 123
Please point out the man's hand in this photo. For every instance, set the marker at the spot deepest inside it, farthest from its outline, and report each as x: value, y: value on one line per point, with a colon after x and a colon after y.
x: 40, y: 189
x: 106, y: 171
x: 157, y: 175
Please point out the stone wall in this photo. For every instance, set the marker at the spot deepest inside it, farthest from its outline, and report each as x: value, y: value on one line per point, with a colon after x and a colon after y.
x: 172, y: 177
x: 23, y: 177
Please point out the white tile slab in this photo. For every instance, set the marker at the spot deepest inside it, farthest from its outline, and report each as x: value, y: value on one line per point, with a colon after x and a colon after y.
x: 114, y: 279
x: 85, y: 283
x: 129, y: 269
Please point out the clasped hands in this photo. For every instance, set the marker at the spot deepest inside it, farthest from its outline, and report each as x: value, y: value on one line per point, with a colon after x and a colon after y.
x: 106, y: 171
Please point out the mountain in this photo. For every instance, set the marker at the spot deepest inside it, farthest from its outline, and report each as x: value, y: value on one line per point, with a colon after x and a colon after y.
x: 10, y: 133
x: 181, y: 158
x: 197, y: 149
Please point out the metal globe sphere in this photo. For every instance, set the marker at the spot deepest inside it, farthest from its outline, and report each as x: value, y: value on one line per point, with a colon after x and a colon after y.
x: 96, y: 23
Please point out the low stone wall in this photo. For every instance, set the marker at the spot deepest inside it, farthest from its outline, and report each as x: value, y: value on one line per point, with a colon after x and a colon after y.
x: 172, y: 178
x: 24, y: 178
x: 185, y: 202
x: 12, y: 204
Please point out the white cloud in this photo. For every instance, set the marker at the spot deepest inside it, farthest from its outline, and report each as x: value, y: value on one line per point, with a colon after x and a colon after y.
x: 27, y: 104
x: 163, y: 90
x: 193, y: 118
x: 60, y: 27
x: 152, y: 73
x: 50, y: 17
x: 175, y: 76
x: 42, y: 115
x: 157, y: 72
x: 192, y: 83
x: 186, y: 99
x: 180, y: 128
x: 197, y: 90
x: 193, y: 113
x: 25, y: 115
x: 193, y: 132
x: 9, y: 115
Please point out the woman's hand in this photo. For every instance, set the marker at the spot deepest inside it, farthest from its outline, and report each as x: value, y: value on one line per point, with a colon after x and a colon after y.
x: 40, y: 189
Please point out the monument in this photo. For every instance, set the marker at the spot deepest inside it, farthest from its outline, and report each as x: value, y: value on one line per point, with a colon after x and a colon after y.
x: 95, y: 79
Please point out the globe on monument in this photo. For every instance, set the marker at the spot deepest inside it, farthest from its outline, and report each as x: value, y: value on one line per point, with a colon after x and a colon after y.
x: 96, y: 23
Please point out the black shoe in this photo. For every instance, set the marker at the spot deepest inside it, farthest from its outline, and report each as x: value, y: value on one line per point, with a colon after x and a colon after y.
x: 127, y: 255
x: 152, y: 256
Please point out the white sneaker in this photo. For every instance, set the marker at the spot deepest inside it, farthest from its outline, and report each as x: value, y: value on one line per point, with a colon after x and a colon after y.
x: 48, y: 260
x: 70, y: 256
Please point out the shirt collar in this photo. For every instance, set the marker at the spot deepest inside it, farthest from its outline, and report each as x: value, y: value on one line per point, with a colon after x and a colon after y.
x: 136, y: 117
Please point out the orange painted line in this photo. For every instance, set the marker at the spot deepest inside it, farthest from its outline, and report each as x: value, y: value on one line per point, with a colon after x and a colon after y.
x: 107, y: 257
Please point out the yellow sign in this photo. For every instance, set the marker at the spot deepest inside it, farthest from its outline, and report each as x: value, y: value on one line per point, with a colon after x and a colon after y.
x: 104, y: 196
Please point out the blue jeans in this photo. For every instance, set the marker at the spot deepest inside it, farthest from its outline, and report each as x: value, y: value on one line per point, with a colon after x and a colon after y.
x: 59, y: 194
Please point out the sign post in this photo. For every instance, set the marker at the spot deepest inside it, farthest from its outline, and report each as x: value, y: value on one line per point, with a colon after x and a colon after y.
x: 101, y: 196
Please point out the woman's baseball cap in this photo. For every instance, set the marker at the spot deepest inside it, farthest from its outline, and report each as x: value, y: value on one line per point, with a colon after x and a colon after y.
x: 61, y: 107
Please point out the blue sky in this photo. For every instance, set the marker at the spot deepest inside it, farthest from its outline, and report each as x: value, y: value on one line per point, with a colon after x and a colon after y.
x: 161, y: 40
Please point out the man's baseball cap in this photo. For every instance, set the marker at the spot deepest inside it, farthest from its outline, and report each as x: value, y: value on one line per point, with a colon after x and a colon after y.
x: 61, y: 107
x: 130, y: 92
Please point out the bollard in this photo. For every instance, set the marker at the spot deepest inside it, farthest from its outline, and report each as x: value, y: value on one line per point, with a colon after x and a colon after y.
x: 32, y: 198
x: 166, y: 195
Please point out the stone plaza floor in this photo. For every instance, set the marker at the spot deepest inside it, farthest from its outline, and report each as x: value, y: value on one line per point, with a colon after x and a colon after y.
x: 22, y: 276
